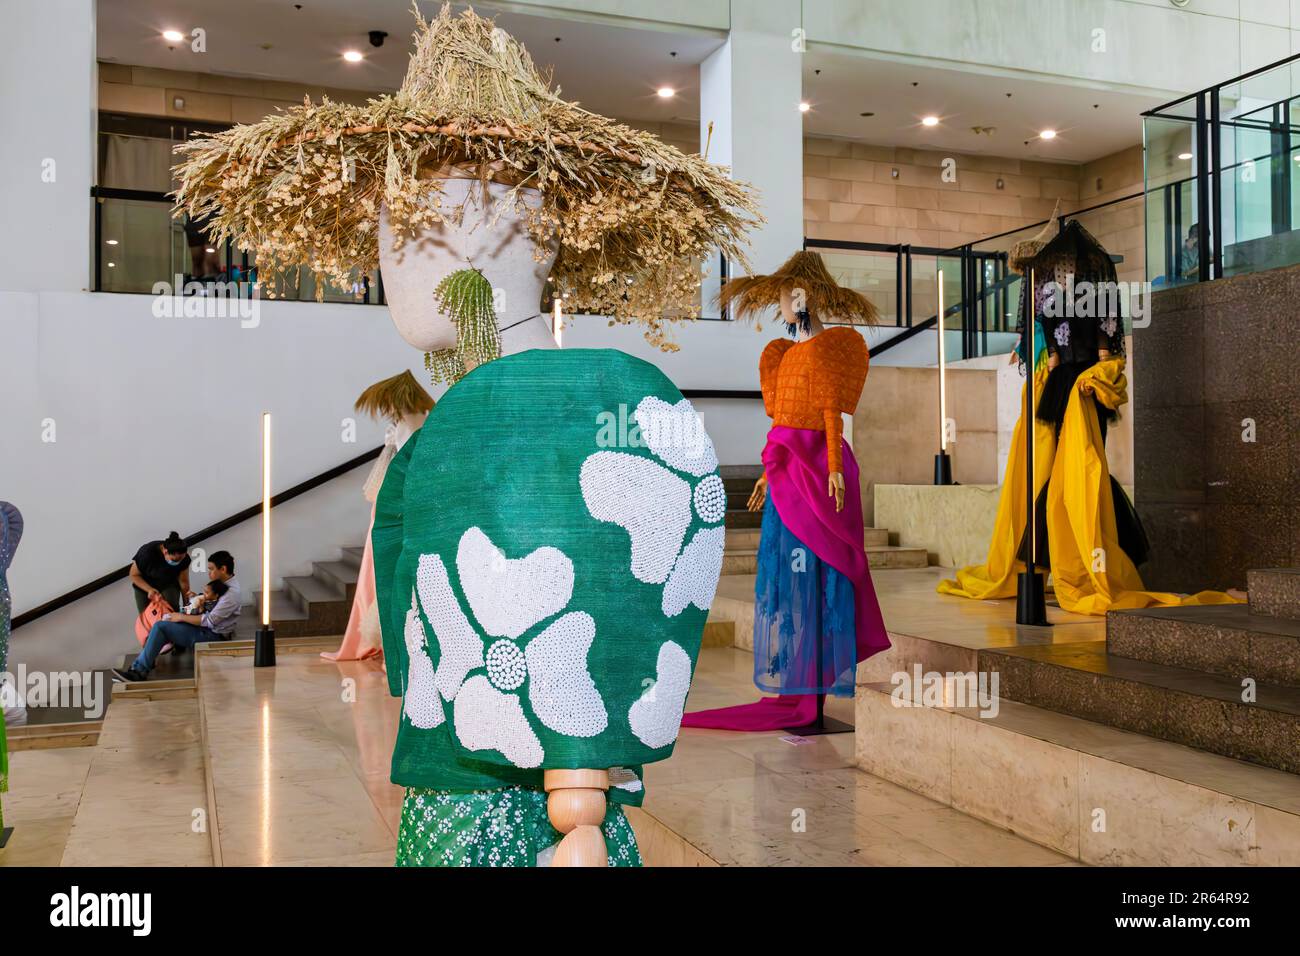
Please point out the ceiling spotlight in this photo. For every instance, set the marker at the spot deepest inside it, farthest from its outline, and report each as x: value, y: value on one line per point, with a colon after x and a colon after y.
x: 110, y: 242
x: 209, y: 249
x: 1189, y: 156
x: 867, y: 114
x: 804, y: 107
x: 930, y: 121
x: 173, y: 36
x: 353, y: 56
x: 665, y: 92
x: 112, y: 265
x: 1047, y: 134
x: 377, y: 38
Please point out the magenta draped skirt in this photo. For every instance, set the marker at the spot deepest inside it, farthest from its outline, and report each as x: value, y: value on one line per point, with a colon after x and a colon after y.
x: 795, y: 463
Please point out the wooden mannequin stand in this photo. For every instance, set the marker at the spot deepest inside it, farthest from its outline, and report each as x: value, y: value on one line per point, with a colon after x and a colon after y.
x: 576, y: 806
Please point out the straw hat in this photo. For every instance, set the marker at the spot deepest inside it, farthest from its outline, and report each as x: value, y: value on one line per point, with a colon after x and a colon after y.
x: 750, y: 295
x: 1023, y: 252
x: 394, y: 398
x: 633, y: 217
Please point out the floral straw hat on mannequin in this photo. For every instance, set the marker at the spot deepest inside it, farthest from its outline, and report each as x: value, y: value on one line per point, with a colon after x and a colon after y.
x: 633, y: 217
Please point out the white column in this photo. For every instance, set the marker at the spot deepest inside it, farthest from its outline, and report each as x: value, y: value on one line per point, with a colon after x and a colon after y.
x: 48, y: 99
x: 750, y: 89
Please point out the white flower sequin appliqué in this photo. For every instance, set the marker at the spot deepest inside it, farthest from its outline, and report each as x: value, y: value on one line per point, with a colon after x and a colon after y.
x: 1062, y: 335
x: 654, y: 504
x: 507, y: 597
x: 656, y: 716
x: 420, y: 702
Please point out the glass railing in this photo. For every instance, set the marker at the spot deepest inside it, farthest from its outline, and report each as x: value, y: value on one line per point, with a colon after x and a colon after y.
x: 138, y: 244
x: 1223, y: 178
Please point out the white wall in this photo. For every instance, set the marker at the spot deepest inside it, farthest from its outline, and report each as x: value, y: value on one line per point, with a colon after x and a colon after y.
x: 48, y: 102
x: 96, y: 631
x: 156, y: 421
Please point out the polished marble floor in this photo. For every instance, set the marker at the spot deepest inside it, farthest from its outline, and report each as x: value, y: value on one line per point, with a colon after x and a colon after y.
x: 295, y: 763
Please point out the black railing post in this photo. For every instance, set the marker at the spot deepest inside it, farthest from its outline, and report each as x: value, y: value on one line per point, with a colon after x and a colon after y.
x: 1202, y: 192
x: 1216, y: 186
x: 99, y: 242
x: 907, y: 254
x: 898, y: 286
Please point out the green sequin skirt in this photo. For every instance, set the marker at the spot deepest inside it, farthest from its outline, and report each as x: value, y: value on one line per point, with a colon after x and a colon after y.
x: 507, y: 827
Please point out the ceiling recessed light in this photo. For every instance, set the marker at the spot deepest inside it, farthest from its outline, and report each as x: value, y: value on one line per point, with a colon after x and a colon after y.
x: 1189, y: 156
x: 353, y: 56
x: 209, y: 249
x: 112, y: 265
x: 111, y: 242
x: 173, y: 36
x: 665, y: 92
x: 804, y: 107
x: 930, y: 121
x: 1047, y: 134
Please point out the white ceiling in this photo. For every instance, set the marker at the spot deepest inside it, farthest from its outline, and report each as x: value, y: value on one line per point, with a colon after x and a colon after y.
x: 610, y: 70
x: 1089, y: 123
x: 615, y: 71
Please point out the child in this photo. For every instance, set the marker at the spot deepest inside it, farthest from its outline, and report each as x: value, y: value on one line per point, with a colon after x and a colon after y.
x: 200, y: 604
x: 204, y: 602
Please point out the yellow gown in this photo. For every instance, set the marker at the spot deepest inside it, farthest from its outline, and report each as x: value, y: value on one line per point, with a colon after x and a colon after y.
x: 1090, y: 571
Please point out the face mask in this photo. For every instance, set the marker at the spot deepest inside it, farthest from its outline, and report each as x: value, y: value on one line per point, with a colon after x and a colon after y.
x: 174, y: 563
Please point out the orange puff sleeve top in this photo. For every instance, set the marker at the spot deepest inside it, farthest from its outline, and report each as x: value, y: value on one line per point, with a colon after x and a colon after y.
x: 808, y: 384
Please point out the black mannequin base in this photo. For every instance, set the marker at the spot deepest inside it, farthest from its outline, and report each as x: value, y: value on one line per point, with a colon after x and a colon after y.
x: 264, y: 647
x: 821, y: 723
x: 1031, y: 600
x: 943, y: 468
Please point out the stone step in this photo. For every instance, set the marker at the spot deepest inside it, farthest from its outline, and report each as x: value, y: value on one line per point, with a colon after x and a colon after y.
x: 880, y: 557
x: 339, y: 574
x: 1226, y: 639
x: 743, y: 518
x: 284, y: 607
x: 1053, y: 779
x: 1199, y: 710
x: 1275, y: 592
x: 743, y: 539
x: 174, y: 665
x: 353, y: 556
x: 890, y: 558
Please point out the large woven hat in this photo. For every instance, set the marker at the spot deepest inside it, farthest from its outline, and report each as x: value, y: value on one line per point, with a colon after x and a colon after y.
x: 634, y: 217
x: 804, y: 271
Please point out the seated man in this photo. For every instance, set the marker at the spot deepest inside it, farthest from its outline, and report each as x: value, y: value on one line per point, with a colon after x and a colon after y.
x: 186, y: 630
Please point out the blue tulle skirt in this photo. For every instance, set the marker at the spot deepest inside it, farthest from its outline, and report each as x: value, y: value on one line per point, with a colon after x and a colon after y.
x: 805, y: 636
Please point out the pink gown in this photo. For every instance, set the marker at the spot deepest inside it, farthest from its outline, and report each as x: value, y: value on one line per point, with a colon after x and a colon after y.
x: 355, y: 646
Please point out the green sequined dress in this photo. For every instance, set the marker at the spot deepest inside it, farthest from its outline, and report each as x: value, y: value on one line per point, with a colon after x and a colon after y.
x: 546, y: 550
x: 507, y: 827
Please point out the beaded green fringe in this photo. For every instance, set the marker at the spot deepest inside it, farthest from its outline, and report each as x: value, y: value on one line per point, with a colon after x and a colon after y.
x: 466, y: 297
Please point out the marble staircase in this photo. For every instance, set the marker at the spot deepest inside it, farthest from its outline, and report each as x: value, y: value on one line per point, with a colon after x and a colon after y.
x: 1115, y: 743
x: 1220, y: 678
x: 310, y: 605
x: 744, y: 527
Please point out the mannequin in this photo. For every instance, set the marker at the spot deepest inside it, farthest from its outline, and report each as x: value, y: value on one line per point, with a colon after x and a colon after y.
x: 1087, y: 531
x: 11, y: 531
x: 404, y: 405
x: 472, y: 187
x: 816, y: 614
